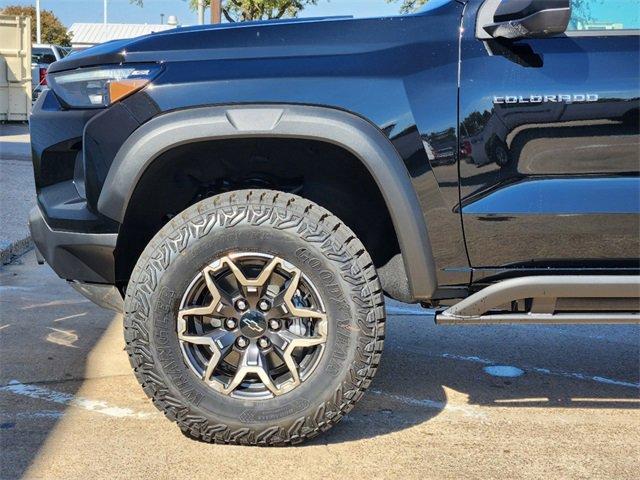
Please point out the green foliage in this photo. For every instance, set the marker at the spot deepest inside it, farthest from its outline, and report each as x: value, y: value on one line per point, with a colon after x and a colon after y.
x: 244, y: 10
x: 409, y: 6
x: 53, y: 31
x: 582, y: 10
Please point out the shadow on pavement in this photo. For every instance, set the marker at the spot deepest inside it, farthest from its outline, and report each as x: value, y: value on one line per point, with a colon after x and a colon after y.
x: 47, y: 331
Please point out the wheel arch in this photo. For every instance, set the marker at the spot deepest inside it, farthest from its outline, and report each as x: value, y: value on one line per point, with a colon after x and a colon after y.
x: 350, y: 132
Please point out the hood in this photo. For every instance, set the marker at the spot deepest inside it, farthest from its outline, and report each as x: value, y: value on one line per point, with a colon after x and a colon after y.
x: 183, y: 42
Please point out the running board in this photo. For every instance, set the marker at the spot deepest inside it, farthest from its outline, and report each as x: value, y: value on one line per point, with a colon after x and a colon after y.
x: 544, y: 294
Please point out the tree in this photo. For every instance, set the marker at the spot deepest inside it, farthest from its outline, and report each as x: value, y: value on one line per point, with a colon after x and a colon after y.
x: 582, y: 11
x: 244, y: 10
x: 409, y: 6
x: 53, y: 31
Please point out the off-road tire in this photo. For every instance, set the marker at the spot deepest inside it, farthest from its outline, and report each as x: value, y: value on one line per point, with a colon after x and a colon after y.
x: 326, y: 249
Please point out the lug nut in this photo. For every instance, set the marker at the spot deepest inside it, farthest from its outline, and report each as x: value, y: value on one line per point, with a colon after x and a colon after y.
x: 274, y: 324
x: 230, y: 323
x: 242, y: 342
x: 263, y: 342
x: 264, y: 305
x: 241, y: 305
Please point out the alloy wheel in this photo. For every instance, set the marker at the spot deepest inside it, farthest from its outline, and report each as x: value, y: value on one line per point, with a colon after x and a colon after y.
x: 252, y: 325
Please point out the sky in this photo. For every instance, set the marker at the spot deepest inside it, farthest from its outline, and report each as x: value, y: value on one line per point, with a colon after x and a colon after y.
x: 121, y: 11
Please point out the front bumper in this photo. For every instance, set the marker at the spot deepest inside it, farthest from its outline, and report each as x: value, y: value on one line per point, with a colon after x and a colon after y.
x: 86, y: 259
x: 82, y: 257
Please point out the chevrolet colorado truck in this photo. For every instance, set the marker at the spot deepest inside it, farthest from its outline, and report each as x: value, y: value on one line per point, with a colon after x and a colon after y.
x: 248, y: 194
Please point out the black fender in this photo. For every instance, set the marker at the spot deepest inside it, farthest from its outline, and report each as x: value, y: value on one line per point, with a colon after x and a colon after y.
x: 337, y: 127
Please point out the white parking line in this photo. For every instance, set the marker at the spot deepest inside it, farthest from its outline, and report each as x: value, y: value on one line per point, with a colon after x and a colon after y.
x: 38, y: 415
x: 98, y: 406
x: 14, y: 287
x: 69, y: 317
x: 544, y: 371
x: 467, y: 410
x: 102, y: 407
x: 55, y: 303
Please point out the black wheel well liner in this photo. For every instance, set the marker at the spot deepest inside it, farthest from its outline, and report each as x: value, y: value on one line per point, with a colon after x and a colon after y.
x: 342, y: 129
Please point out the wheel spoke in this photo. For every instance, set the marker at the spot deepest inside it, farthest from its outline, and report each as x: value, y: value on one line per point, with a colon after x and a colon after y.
x: 278, y: 308
x: 295, y: 341
x: 283, y: 306
x: 222, y: 341
x: 211, y: 367
x: 279, y: 341
x: 252, y: 288
x: 251, y: 361
x: 213, y: 289
x: 210, y: 309
x: 285, y: 338
x: 197, y: 339
x: 288, y: 300
x: 219, y: 342
x: 286, y: 342
x: 260, y: 280
x: 226, y: 308
x: 252, y: 357
x: 218, y: 339
x: 196, y: 311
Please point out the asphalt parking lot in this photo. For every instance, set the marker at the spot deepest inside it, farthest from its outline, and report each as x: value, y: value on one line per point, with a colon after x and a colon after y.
x: 568, y: 407
x: 17, y: 189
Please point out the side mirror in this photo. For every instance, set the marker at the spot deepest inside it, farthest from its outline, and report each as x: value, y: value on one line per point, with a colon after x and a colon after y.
x: 512, y: 19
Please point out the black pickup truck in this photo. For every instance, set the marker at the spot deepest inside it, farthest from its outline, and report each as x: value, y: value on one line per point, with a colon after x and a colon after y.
x: 248, y: 194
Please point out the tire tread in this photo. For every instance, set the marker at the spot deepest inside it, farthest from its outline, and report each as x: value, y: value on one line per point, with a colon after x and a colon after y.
x: 284, y: 211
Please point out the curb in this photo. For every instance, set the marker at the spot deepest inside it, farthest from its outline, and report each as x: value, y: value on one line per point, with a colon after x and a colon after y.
x: 17, y: 157
x: 13, y: 250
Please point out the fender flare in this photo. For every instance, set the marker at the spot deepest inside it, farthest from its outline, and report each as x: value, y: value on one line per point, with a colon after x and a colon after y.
x: 348, y: 131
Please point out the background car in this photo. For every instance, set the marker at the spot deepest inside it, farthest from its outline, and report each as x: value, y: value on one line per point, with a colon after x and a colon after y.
x: 43, y: 55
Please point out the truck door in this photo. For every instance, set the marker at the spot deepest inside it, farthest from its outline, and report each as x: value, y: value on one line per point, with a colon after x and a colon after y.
x: 549, y: 142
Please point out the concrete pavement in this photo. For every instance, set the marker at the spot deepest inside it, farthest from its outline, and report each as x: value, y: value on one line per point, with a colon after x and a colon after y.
x: 17, y: 189
x: 568, y: 406
x: 14, y: 141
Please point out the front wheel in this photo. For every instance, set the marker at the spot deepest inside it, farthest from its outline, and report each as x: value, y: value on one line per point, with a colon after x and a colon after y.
x: 254, y: 317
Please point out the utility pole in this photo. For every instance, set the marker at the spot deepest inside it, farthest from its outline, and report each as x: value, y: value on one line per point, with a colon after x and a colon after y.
x: 38, y: 23
x: 216, y: 11
x: 104, y: 21
x: 200, y: 12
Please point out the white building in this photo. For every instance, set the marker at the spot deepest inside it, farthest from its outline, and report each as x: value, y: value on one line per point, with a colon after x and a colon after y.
x: 85, y: 35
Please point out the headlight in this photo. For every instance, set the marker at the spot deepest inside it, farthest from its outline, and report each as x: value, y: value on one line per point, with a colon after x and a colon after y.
x: 100, y: 87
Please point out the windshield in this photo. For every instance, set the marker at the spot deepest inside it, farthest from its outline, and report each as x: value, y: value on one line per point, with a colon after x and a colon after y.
x: 609, y: 15
x: 64, y: 51
x: 42, y: 55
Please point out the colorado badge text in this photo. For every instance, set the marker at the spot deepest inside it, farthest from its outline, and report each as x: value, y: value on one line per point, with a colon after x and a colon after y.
x: 575, y: 98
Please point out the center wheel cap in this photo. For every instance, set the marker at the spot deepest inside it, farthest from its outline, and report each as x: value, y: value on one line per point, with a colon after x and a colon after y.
x: 253, y: 324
